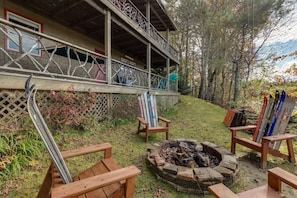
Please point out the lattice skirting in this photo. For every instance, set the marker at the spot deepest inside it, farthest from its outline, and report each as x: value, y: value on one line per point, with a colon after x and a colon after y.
x: 100, y: 106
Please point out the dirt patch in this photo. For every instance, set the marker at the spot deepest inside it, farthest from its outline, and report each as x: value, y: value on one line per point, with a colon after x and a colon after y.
x: 251, y: 176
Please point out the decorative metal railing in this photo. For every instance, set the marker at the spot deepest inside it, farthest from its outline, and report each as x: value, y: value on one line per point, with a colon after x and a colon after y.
x: 158, y: 82
x: 127, y: 75
x: 26, y: 51
x: 132, y: 12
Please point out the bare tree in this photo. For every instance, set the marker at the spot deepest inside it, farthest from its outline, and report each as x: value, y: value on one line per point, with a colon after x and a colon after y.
x: 223, y: 34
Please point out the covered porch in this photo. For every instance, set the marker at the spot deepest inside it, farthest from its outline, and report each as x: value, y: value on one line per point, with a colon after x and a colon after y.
x: 132, y: 55
x: 111, y: 48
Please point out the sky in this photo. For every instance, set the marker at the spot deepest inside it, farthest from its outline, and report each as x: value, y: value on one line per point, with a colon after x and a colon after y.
x: 282, y: 41
x: 287, y: 31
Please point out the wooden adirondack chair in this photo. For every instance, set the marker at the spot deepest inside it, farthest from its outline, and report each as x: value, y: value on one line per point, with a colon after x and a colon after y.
x: 272, y: 189
x: 264, y: 144
x: 104, y: 179
x: 149, y: 120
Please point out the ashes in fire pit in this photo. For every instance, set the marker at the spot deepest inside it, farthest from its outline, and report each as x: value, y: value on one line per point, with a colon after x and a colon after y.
x: 190, y: 166
x: 188, y: 154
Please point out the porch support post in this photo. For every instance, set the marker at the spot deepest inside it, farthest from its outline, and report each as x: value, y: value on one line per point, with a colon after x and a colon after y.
x: 167, y: 38
x: 148, y: 48
x: 107, y: 44
x: 148, y: 64
x: 148, y: 16
x: 168, y: 72
x: 176, y: 71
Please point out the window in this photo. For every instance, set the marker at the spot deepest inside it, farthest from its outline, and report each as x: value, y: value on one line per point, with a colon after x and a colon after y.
x: 28, y: 41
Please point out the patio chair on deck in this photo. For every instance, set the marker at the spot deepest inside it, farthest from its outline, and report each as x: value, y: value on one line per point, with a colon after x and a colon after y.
x: 149, y: 120
x: 104, y: 179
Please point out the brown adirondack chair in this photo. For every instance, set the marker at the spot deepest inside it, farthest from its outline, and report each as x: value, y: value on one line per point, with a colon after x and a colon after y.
x: 264, y: 145
x: 104, y: 179
x: 272, y: 189
x: 149, y: 120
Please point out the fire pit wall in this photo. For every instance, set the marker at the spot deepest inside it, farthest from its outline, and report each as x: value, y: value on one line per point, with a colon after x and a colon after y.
x: 220, y: 167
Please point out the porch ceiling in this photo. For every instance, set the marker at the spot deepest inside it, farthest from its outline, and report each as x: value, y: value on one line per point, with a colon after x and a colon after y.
x: 82, y: 17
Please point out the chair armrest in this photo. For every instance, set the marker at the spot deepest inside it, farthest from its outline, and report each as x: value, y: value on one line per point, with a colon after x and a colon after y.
x: 285, y: 136
x: 164, y: 119
x: 143, y: 121
x: 92, y: 183
x: 243, y: 128
x: 86, y: 150
x: 221, y: 191
x: 275, y: 175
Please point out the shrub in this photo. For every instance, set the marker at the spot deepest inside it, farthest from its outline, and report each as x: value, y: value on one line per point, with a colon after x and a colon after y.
x: 68, y: 109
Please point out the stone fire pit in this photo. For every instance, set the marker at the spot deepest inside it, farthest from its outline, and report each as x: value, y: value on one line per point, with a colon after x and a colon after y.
x: 190, y: 166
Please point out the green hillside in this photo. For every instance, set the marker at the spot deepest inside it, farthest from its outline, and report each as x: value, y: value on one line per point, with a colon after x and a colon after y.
x: 191, y: 118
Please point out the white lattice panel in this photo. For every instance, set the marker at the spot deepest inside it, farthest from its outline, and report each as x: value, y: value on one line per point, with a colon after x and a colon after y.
x: 123, y: 106
x: 12, y: 105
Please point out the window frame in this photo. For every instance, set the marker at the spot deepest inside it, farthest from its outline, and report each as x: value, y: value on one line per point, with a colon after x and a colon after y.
x: 27, y: 38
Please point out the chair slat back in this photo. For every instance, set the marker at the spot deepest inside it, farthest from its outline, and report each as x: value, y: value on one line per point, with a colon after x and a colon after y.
x: 260, y: 119
x: 45, y: 133
x: 148, y: 108
x: 274, y: 117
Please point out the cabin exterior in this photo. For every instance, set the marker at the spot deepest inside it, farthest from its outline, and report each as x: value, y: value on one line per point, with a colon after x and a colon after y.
x: 114, y: 48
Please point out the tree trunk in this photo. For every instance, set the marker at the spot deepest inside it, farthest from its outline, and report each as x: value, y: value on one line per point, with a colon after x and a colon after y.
x: 231, y: 82
x: 236, y: 81
x: 205, y: 54
x: 223, y: 85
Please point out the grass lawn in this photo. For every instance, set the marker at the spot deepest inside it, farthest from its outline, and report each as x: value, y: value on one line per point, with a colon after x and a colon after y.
x: 191, y: 119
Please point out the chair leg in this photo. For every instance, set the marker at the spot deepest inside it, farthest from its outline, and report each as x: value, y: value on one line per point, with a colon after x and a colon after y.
x: 129, y: 191
x: 233, y: 146
x: 167, y: 135
x: 264, y: 153
x: 233, y: 142
x: 138, y: 130
x: 146, y: 136
x: 274, y: 182
x: 290, y: 151
x: 45, y: 189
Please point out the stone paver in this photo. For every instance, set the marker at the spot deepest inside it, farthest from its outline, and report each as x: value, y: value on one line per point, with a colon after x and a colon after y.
x: 207, y: 174
x: 159, y: 160
x: 170, y: 168
x: 224, y: 171
x: 185, y: 173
